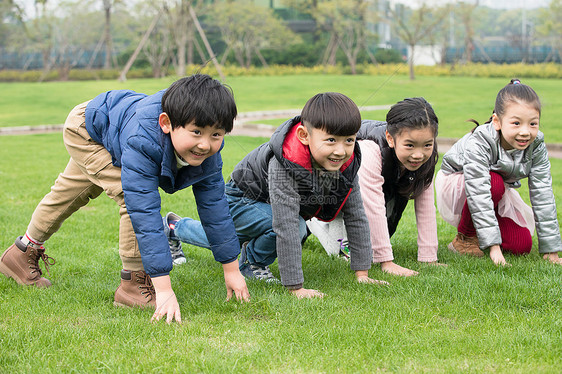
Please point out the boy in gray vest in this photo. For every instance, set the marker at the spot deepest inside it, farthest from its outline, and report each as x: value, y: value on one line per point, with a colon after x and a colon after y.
x: 307, y: 169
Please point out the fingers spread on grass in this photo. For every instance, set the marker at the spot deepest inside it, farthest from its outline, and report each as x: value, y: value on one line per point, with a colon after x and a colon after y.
x: 303, y: 293
x: 395, y: 269
x: 553, y: 258
x: 372, y: 281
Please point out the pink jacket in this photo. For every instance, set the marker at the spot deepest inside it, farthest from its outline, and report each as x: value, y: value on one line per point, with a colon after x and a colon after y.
x: 371, y: 182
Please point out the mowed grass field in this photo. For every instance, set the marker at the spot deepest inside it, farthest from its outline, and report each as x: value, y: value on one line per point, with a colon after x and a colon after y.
x: 469, y: 317
x: 455, y: 99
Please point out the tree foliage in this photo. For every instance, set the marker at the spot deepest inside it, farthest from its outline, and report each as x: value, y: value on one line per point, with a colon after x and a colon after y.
x: 416, y: 25
x: 65, y: 32
x: 247, y: 29
x: 551, y: 25
x: 347, y: 20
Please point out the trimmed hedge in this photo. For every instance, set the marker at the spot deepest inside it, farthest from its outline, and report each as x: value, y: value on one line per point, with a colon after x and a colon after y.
x: 550, y: 70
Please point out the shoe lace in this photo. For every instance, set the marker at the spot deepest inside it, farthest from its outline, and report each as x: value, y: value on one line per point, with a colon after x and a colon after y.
x: 469, y: 239
x: 146, y: 286
x: 175, y: 248
x: 34, y: 256
x: 262, y: 272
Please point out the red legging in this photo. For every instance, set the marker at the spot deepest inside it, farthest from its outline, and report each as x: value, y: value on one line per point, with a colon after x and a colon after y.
x: 515, y: 239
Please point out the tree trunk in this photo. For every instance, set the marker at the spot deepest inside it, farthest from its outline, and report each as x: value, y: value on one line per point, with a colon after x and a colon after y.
x: 123, y: 74
x: 107, y: 34
x: 225, y: 54
x: 190, y: 39
x: 333, y: 51
x: 371, y: 56
x: 181, y: 60
x: 469, y: 48
x: 329, y: 49
x: 262, y: 60
x: 95, y: 53
x: 206, y: 43
x: 411, y: 62
x: 200, y: 51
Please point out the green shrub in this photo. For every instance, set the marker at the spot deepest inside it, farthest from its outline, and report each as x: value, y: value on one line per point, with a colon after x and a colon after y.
x: 388, y: 56
x: 547, y: 71
x: 85, y: 74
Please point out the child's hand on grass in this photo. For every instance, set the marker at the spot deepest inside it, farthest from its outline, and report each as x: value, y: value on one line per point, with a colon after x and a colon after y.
x: 303, y: 293
x: 362, y: 276
x: 553, y: 257
x: 391, y: 268
x: 166, y: 302
x: 235, y: 282
x: 497, y: 256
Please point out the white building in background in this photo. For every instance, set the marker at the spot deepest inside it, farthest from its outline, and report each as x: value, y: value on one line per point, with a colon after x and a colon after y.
x: 425, y: 55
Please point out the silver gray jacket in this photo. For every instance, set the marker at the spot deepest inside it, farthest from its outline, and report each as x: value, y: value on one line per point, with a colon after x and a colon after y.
x: 478, y: 153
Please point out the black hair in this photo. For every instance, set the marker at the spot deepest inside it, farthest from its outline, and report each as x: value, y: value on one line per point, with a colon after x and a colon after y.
x: 513, y: 92
x: 415, y: 113
x: 202, y: 99
x: 332, y: 112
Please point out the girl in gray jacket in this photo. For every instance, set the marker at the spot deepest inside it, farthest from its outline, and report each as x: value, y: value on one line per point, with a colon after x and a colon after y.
x: 475, y: 186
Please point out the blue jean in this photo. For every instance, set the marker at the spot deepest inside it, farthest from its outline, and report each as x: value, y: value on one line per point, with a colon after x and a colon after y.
x: 254, y: 224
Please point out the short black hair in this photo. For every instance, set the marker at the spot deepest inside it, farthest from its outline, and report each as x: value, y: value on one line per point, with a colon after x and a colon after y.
x: 332, y: 112
x: 202, y: 99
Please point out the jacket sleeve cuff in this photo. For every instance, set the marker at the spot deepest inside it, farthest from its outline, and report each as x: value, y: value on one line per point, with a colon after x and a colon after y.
x: 158, y: 275
x: 229, y: 261
x: 294, y: 286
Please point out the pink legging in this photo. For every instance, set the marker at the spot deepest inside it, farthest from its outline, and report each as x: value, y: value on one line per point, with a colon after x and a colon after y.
x: 515, y: 239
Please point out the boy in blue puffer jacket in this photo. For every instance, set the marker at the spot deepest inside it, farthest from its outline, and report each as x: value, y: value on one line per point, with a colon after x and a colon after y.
x: 128, y: 145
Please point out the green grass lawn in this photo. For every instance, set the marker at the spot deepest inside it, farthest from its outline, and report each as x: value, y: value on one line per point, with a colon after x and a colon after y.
x: 468, y: 317
x: 455, y: 99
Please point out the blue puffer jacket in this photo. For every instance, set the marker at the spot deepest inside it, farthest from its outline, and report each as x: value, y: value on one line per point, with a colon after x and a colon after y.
x: 126, y: 123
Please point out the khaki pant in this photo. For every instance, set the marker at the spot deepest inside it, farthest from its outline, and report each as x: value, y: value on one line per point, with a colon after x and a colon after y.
x: 88, y: 173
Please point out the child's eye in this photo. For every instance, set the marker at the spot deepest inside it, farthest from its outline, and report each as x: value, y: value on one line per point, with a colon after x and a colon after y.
x: 331, y: 140
x: 217, y: 134
x: 534, y: 124
x: 197, y: 132
x: 429, y: 145
x: 350, y: 140
x: 516, y: 123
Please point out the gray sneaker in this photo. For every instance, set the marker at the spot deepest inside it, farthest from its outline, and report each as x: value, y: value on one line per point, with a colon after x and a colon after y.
x: 259, y: 272
x: 178, y: 257
x: 251, y: 271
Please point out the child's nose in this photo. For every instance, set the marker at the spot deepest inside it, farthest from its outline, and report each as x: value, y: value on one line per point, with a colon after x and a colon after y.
x: 339, y: 149
x: 203, y: 144
x: 418, y: 154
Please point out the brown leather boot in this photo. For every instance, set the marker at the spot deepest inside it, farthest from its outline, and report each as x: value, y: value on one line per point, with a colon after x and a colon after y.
x: 466, y: 245
x: 135, y: 290
x: 21, y: 263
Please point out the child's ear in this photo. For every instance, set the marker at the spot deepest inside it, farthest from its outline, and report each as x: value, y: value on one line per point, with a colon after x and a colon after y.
x: 303, y: 135
x: 165, y: 123
x: 389, y: 139
x: 496, y: 122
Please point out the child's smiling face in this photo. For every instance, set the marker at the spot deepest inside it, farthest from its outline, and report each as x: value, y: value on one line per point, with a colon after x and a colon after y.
x: 519, y: 125
x: 413, y: 147
x: 329, y: 151
x: 193, y: 144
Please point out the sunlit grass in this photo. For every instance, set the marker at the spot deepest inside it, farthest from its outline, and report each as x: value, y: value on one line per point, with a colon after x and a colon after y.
x: 468, y: 317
